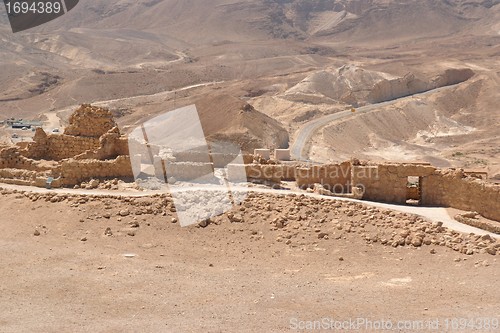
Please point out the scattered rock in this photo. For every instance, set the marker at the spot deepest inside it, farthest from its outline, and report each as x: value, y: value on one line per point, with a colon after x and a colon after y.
x: 204, y: 223
x: 491, y: 250
x: 108, y: 232
x: 417, y: 242
x: 470, y: 215
x: 487, y: 237
x: 93, y: 184
x: 124, y: 212
x: 235, y: 218
x: 323, y: 235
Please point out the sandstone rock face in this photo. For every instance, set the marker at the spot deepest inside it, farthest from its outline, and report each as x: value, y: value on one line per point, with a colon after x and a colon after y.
x: 90, y: 121
x: 372, y: 87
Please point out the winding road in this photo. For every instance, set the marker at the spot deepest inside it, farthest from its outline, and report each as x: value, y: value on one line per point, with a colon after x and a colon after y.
x: 299, y: 151
x: 138, y: 99
x: 300, y: 147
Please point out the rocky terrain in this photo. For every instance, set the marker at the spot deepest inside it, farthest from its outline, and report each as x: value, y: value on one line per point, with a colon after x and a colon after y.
x: 294, y: 61
x: 101, y: 262
x: 355, y: 86
x: 243, y: 124
x: 106, y: 258
x: 296, y: 220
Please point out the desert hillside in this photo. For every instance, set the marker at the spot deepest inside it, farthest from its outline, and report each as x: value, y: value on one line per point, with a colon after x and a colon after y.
x: 383, y: 204
x: 294, y: 61
x: 243, y: 124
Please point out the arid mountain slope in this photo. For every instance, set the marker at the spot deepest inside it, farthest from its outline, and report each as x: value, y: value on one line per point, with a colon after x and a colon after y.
x: 281, y: 56
x: 357, y: 86
x: 241, y: 123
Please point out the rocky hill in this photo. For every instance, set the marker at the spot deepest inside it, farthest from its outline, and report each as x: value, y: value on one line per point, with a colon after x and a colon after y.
x: 356, y: 86
x: 226, y: 118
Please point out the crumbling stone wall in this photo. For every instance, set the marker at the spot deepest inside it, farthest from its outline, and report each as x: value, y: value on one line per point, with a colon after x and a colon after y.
x: 91, y: 129
x: 59, y: 147
x: 90, y: 121
x: 92, y: 132
x: 273, y: 173
x: 25, y: 177
x: 454, y: 189
x: 92, y: 147
x: 12, y: 158
x: 268, y: 172
x: 9, y: 157
x: 198, y: 172
x: 331, y: 176
x: 388, y: 182
x: 75, y: 171
x: 111, y: 145
x: 447, y: 188
x: 218, y: 159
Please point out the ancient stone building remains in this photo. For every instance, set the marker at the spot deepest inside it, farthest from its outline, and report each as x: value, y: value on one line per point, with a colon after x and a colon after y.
x: 93, y: 148
x: 391, y: 182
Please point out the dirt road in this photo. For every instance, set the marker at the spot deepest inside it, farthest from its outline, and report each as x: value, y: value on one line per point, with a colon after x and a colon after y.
x: 300, y: 146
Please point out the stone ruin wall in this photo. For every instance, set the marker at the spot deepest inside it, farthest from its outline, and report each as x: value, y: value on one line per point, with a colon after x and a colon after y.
x: 87, y: 151
x: 219, y: 160
x: 184, y: 165
x: 388, y: 183
x: 76, y: 171
x: 12, y: 158
x: 446, y: 188
x: 88, y: 127
x: 267, y: 172
x: 451, y: 188
x: 110, y: 146
x: 90, y: 121
x: 60, y: 147
x: 91, y: 147
x: 336, y: 177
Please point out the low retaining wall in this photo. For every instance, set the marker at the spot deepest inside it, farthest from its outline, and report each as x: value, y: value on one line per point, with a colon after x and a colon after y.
x: 452, y: 188
x: 269, y: 172
x: 336, y: 177
x: 75, y: 171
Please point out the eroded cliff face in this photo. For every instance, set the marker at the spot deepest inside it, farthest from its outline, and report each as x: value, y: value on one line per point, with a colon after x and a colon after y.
x: 357, y: 86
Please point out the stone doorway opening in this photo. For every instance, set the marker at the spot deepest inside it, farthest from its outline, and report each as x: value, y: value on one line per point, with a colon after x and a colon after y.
x: 414, y: 191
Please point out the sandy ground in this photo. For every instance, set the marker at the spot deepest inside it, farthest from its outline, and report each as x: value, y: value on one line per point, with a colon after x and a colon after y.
x: 151, y: 275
